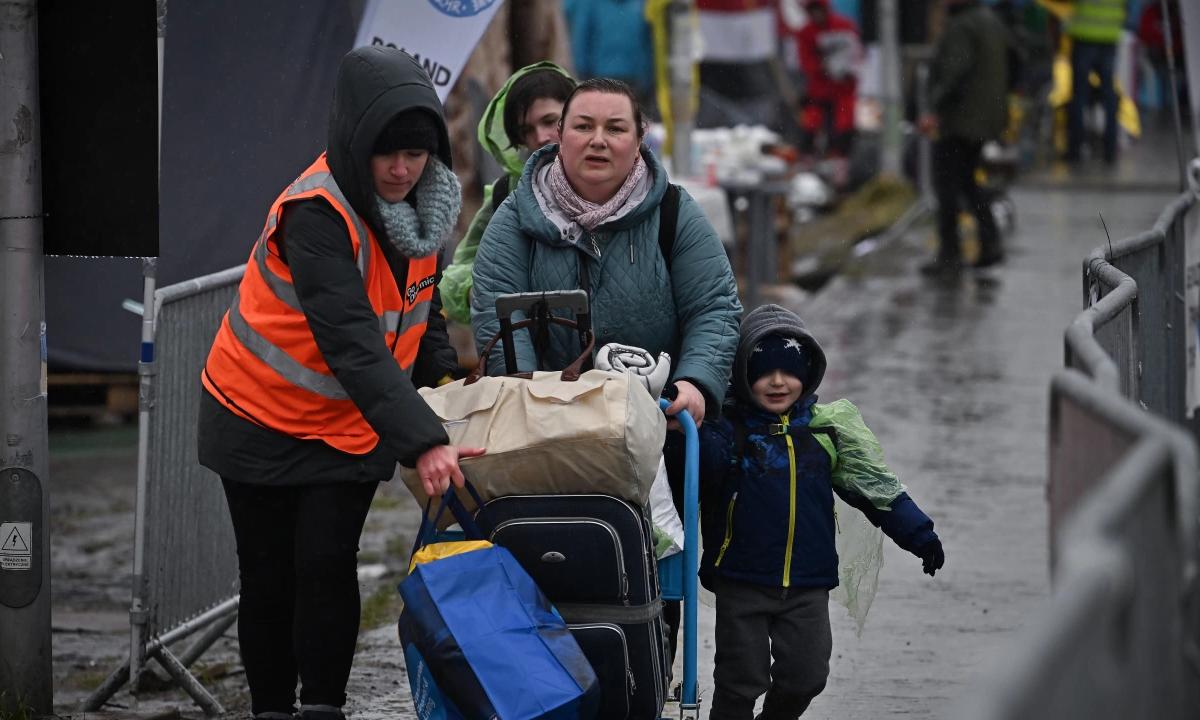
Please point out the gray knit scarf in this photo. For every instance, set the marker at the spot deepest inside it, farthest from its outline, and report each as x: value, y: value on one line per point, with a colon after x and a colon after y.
x: 418, y: 232
x: 585, y: 212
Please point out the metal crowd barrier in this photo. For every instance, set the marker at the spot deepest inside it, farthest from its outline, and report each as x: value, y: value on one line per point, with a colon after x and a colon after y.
x: 1131, y: 338
x: 1139, y: 284
x: 185, y: 561
x: 1120, y: 637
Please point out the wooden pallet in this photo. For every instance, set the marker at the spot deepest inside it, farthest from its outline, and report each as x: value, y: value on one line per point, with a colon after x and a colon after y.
x: 100, y: 397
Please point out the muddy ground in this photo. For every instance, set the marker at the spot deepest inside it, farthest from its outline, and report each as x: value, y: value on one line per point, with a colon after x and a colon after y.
x: 93, y: 473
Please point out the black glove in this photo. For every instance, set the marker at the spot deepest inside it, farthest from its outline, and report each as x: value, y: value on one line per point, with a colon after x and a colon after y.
x: 932, y: 556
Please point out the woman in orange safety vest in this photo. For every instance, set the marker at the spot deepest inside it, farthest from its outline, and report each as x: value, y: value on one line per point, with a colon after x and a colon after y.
x: 310, y: 387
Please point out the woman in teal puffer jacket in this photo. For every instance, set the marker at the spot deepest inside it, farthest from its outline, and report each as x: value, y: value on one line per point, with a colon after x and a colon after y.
x: 586, y: 214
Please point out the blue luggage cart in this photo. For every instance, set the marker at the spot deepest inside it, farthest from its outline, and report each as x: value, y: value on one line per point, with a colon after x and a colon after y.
x: 677, y: 574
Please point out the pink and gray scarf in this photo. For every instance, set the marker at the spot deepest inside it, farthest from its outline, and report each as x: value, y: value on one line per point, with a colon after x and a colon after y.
x: 588, y: 214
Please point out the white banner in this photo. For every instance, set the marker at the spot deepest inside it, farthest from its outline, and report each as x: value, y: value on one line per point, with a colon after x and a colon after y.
x: 740, y: 37
x: 440, y: 34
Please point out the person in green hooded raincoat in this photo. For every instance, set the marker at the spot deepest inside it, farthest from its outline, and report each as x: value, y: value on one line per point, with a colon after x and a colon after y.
x: 521, y: 118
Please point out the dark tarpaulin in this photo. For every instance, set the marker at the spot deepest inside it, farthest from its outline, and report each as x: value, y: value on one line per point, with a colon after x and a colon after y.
x: 246, y: 92
x: 98, y: 112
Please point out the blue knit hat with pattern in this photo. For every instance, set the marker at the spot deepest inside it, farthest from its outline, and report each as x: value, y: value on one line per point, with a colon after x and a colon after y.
x: 778, y: 352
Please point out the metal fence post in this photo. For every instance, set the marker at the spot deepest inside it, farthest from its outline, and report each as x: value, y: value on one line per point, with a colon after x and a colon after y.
x: 138, y: 613
x: 185, y: 565
x: 1174, y: 281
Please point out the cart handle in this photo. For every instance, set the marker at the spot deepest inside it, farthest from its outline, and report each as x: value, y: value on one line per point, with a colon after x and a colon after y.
x: 690, y: 695
x: 574, y: 300
x: 570, y: 373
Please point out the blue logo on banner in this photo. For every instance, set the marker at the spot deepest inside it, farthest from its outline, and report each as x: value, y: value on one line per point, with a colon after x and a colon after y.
x: 461, y: 8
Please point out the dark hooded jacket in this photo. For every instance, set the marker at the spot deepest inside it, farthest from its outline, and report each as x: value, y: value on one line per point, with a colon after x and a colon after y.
x: 767, y: 479
x: 374, y: 85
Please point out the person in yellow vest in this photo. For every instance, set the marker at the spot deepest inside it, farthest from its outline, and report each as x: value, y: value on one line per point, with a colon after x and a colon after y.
x: 1094, y: 28
x: 310, y: 386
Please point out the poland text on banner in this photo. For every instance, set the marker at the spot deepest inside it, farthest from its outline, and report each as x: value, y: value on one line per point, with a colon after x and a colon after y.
x: 440, y: 34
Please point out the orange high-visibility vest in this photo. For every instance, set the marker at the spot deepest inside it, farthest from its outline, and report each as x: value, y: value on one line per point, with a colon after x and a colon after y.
x: 265, y: 365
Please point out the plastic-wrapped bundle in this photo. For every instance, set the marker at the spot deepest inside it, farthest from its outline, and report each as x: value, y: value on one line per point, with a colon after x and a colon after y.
x: 860, y: 469
x: 860, y: 558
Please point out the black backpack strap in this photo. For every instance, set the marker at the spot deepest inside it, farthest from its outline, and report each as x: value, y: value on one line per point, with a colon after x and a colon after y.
x: 800, y: 431
x: 668, y: 219
x: 500, y: 190
x: 830, y: 431
x: 796, y: 431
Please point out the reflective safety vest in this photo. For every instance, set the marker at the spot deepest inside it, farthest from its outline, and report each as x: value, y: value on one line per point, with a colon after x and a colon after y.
x: 1097, y: 21
x: 265, y: 365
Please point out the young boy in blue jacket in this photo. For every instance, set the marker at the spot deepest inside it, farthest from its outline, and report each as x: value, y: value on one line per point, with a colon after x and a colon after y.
x: 769, y: 468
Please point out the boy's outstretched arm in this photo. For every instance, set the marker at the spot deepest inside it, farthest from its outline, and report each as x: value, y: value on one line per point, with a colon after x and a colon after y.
x: 906, y: 524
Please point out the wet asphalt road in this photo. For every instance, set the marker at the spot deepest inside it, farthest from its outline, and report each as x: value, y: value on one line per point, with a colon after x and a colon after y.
x: 954, y: 379
x: 952, y: 376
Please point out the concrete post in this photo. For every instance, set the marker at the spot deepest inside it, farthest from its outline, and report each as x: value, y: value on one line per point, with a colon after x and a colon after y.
x: 889, y: 49
x: 924, y: 144
x: 26, y: 680
x: 680, y: 64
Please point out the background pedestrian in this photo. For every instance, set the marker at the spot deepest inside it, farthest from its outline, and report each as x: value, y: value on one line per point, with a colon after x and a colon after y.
x: 969, y: 95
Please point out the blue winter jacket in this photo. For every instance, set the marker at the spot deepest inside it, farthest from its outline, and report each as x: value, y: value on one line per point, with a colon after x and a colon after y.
x: 611, y: 38
x: 768, y: 515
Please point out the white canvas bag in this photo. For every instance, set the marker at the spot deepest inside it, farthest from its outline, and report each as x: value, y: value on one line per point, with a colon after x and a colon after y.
x: 602, y: 433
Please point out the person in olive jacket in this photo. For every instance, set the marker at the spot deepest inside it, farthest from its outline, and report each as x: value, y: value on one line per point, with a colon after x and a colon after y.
x: 968, y: 90
x: 522, y: 117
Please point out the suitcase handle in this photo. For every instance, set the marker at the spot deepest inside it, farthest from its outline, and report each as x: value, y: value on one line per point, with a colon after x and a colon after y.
x: 570, y: 373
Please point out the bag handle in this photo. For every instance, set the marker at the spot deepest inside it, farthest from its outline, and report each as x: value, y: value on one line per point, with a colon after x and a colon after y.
x: 570, y: 373
x: 449, y: 499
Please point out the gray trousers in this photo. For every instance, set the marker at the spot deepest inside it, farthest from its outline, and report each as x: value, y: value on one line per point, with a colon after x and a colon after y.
x: 757, y: 624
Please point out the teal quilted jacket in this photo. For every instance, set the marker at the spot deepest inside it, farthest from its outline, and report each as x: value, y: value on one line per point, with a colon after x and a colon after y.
x: 691, y: 311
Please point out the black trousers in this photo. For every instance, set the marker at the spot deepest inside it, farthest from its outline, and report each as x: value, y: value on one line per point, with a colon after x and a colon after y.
x: 769, y: 640
x: 1086, y: 57
x: 954, y: 162
x: 298, y: 563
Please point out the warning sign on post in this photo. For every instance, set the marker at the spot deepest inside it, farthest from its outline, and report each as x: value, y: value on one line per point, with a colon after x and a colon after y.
x: 16, y: 545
